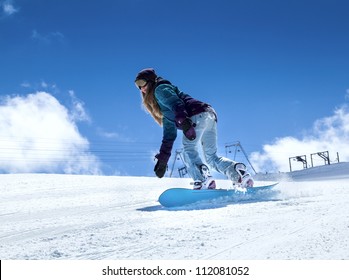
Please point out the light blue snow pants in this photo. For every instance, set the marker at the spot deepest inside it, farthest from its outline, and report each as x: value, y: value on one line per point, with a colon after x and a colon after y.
x: 203, y: 150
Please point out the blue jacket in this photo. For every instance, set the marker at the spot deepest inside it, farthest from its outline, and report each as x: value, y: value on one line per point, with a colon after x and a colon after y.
x: 175, y: 106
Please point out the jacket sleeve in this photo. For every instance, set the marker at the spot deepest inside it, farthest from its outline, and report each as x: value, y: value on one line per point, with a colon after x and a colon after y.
x: 172, y: 108
x: 169, y: 136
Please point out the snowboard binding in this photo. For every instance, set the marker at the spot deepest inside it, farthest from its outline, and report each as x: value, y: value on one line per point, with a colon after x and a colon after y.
x: 245, y: 180
x: 208, y: 182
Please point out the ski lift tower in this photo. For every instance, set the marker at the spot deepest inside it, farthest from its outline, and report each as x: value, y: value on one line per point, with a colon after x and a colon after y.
x: 324, y: 155
x: 302, y: 159
x: 183, y: 170
x: 238, y: 148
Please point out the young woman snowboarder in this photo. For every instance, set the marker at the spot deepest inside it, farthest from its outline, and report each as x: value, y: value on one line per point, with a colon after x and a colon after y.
x: 173, y: 109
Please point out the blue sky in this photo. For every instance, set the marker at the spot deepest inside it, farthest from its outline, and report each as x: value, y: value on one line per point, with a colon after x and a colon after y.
x: 275, y: 71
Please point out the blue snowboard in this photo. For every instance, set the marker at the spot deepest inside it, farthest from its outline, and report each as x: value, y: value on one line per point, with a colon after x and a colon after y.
x: 176, y: 197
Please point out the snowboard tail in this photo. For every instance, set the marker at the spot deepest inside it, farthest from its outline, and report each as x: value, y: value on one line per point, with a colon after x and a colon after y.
x: 176, y: 197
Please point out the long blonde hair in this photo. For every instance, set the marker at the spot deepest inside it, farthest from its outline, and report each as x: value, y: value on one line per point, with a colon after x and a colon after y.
x: 151, y: 105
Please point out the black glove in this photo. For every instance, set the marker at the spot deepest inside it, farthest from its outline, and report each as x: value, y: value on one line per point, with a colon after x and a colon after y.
x: 160, y: 167
x: 188, y: 129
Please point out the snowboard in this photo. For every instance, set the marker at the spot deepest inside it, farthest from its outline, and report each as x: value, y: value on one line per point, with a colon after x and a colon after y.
x: 175, y: 197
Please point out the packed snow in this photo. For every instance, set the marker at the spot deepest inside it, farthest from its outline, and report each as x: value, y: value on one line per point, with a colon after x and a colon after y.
x: 47, y: 216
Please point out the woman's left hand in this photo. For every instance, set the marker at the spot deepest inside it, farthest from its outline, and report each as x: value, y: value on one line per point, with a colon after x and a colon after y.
x: 188, y: 129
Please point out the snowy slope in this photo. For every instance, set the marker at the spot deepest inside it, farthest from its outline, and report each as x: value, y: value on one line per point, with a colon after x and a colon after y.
x: 45, y: 216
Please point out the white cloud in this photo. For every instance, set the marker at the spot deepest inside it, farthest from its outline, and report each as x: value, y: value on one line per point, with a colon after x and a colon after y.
x: 114, y: 135
x: 47, y: 39
x: 38, y: 134
x: 8, y: 7
x: 328, y: 134
x: 78, y: 111
x: 108, y: 135
x: 44, y: 84
x: 25, y: 85
x: 41, y: 86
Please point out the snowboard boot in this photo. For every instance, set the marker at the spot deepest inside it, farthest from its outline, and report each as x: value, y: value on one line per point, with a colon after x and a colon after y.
x: 245, y: 180
x: 208, y: 182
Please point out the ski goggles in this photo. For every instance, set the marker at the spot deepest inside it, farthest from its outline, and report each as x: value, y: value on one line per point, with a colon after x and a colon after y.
x: 141, y: 83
